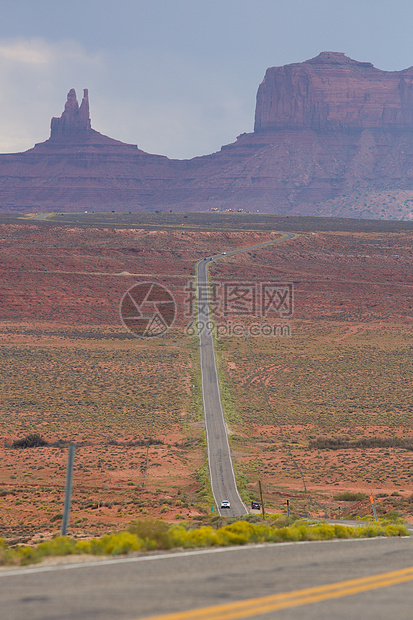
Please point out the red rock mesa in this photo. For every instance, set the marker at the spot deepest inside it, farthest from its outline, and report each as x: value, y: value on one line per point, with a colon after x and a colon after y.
x: 332, y: 136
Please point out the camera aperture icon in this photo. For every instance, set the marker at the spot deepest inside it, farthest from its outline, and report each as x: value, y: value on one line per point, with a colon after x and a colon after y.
x: 147, y: 309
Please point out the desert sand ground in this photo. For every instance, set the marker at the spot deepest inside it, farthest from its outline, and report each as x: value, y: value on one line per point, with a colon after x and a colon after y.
x: 72, y: 373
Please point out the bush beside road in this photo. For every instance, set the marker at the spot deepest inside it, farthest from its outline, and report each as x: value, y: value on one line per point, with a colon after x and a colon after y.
x: 150, y: 535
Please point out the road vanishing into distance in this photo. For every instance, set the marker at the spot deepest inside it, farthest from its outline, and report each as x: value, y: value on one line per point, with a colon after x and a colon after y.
x: 221, y: 469
x: 370, y: 579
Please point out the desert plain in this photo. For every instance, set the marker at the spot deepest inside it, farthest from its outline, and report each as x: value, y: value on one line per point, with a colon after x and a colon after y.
x: 320, y: 412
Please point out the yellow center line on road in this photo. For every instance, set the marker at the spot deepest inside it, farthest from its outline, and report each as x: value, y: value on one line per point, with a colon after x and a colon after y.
x: 265, y: 604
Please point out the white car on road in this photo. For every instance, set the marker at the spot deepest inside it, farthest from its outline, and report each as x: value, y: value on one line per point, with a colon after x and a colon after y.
x: 225, y: 504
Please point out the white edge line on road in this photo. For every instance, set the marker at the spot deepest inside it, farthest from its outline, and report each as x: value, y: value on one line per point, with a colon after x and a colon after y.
x: 225, y: 424
x: 168, y: 556
x: 221, y: 407
x: 206, y: 430
x: 202, y: 384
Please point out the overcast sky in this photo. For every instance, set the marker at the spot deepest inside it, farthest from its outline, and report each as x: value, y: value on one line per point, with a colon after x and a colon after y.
x: 177, y: 77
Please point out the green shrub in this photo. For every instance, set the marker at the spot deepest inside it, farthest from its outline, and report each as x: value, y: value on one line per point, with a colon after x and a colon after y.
x: 289, y: 534
x: 340, y: 443
x: 392, y: 517
x: 61, y: 545
x: 342, y: 531
x: 34, y: 440
x: 238, y: 533
x: 5, y: 554
x: 347, y: 496
x: 205, y: 536
x: 115, y: 544
x: 154, y: 533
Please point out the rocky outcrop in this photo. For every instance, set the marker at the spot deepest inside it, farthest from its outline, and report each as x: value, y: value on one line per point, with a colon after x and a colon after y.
x: 334, y: 92
x: 73, y: 130
x: 74, y: 122
x: 332, y: 136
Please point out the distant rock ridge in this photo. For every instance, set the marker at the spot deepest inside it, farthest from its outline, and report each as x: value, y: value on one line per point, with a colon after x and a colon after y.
x: 333, y: 92
x: 332, y: 136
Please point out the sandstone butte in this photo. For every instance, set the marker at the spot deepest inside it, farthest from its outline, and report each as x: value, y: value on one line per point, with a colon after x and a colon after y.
x: 332, y: 136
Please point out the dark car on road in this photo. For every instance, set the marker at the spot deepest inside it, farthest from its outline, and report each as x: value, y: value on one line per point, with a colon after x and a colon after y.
x: 255, y: 505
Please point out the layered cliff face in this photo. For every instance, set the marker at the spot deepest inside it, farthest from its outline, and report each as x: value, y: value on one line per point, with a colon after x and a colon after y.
x: 334, y: 92
x: 332, y: 136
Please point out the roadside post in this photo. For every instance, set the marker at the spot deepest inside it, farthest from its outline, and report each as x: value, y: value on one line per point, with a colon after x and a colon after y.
x: 339, y: 513
x: 68, y: 488
x: 374, y: 507
x: 262, y: 501
x: 288, y: 508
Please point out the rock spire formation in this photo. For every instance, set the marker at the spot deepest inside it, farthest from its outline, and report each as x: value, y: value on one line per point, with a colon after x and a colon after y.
x: 73, y: 130
x: 332, y: 136
x: 74, y: 121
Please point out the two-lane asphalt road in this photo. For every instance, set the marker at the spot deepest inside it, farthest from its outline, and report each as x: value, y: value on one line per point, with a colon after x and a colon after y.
x: 221, y: 469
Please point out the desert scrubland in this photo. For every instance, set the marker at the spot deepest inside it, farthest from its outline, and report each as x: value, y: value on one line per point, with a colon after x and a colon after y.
x: 321, y: 416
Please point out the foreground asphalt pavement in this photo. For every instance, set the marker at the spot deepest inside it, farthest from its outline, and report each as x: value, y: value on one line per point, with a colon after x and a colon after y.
x: 189, y: 583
